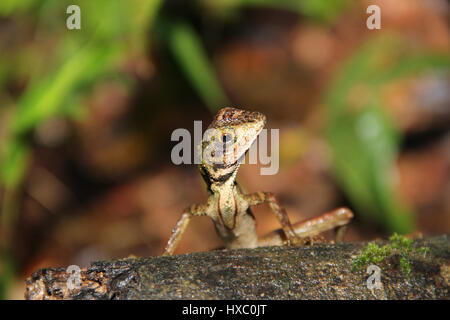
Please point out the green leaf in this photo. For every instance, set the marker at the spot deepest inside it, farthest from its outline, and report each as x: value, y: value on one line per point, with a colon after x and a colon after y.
x: 191, y: 56
x: 322, y: 10
x: 46, y: 96
x: 9, y: 7
x: 8, y: 272
x: 15, y: 159
x: 81, y: 58
x: 363, y: 138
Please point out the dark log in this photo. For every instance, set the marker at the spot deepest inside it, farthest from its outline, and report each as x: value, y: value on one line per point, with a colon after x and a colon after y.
x: 320, y: 271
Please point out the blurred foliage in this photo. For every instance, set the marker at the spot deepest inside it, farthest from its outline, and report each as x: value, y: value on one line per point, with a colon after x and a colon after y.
x: 8, y: 270
x: 190, y: 55
x: 62, y: 75
x: 363, y: 138
x: 319, y: 10
x: 110, y: 29
x: 8, y: 7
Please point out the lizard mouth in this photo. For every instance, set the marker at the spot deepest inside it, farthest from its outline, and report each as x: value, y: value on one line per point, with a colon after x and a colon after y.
x: 229, y: 165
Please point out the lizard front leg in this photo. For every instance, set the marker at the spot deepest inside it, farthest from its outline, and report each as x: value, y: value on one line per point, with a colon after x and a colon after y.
x: 180, y: 227
x: 268, y: 197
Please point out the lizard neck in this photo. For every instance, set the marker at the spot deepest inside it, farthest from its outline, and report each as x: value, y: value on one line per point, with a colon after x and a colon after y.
x: 226, y: 203
x: 226, y: 186
x: 219, y: 180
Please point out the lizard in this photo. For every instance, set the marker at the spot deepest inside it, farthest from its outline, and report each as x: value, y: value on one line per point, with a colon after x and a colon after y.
x: 223, y: 147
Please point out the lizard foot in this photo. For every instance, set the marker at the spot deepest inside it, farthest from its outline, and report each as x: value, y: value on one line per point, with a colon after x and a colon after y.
x: 305, y: 241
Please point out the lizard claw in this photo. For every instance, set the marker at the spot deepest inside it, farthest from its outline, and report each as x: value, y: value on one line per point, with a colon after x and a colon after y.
x: 297, y: 241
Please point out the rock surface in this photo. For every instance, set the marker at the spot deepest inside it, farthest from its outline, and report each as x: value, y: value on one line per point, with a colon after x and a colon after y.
x: 321, y: 271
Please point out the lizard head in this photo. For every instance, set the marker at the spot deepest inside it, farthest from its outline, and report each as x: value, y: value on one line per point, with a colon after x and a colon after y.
x: 227, y: 139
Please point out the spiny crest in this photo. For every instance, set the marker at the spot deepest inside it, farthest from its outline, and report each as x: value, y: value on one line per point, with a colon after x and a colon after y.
x: 229, y: 117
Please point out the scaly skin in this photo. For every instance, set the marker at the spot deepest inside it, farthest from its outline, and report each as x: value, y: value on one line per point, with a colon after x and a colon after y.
x: 225, y: 143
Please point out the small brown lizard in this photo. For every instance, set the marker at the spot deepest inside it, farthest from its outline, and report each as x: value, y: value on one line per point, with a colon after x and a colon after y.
x: 235, y: 130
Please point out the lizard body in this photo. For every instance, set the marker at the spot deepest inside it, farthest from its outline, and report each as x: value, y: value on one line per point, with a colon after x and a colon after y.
x: 223, y: 147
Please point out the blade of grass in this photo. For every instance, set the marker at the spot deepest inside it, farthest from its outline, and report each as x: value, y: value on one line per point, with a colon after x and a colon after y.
x: 363, y: 139
x: 191, y: 56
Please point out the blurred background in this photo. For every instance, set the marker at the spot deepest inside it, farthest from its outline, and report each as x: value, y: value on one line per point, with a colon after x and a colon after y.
x: 86, y: 118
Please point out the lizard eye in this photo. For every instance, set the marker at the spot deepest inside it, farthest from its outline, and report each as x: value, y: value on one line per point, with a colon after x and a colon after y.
x: 226, y: 137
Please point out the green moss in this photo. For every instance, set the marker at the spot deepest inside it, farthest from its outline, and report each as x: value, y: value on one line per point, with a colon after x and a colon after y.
x: 372, y: 254
x: 398, y: 245
x: 405, y: 265
x: 424, y: 250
